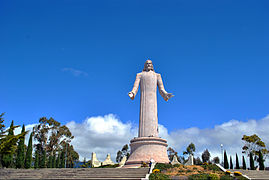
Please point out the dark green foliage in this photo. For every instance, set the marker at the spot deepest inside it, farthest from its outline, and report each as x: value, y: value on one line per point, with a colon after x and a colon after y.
x: 43, y: 160
x: 124, y: 152
x: 226, y: 177
x: 62, y: 160
x: 36, y: 165
x: 237, y: 162
x: 205, y: 156
x: 231, y: 163
x: 251, y: 161
x: 58, y: 161
x: 50, y: 161
x: 54, y: 161
x: 226, y: 164
x: 7, y: 159
x: 203, y: 176
x: 216, y: 160
x: 20, y: 151
x: 244, y: 163
x: 190, y: 149
x: 212, y: 167
x: 163, y: 166
x: 261, y: 161
x: 197, y: 161
x: 28, y: 158
x: 158, y: 176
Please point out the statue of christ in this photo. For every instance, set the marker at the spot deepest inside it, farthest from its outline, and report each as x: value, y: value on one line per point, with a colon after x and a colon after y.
x: 148, y: 81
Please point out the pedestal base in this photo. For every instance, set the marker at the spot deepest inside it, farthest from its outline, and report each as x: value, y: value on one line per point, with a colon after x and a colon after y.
x: 143, y: 149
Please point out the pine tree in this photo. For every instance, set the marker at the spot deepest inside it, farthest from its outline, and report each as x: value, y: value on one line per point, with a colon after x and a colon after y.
x: 231, y: 163
x: 261, y: 161
x: 20, y: 152
x: 7, y: 159
x: 36, y: 165
x: 43, y: 160
x: 251, y: 161
x: 226, y: 164
x: 244, y: 163
x: 28, y: 158
x: 237, y: 163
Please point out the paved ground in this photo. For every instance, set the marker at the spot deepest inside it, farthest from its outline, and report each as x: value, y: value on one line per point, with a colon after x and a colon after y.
x: 253, y: 174
x: 75, y: 173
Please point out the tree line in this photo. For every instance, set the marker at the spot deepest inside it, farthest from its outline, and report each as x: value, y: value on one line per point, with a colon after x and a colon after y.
x: 52, y: 147
x: 254, y: 148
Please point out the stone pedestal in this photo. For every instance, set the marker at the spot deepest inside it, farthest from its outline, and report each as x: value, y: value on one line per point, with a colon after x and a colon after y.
x: 143, y: 149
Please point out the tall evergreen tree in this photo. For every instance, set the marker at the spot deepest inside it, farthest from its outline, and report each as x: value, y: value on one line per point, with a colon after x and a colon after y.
x: 28, y: 158
x: 237, y: 163
x: 54, y: 161
x: 231, y: 163
x: 62, y: 159
x: 58, y: 161
x: 7, y: 159
x: 43, y: 160
x: 244, y: 163
x: 21, y: 151
x: 251, y: 161
x: 226, y: 164
x: 261, y: 161
x: 50, y: 162
x: 36, y: 165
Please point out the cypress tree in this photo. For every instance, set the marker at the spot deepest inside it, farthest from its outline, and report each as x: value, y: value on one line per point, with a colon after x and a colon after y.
x: 28, y: 158
x: 62, y: 163
x: 43, y: 160
x: 50, y: 162
x: 7, y: 159
x: 226, y: 164
x: 261, y: 161
x: 251, y: 161
x: 20, y: 152
x: 58, y: 161
x: 244, y: 163
x: 36, y: 165
x: 237, y: 163
x: 54, y: 161
x: 231, y: 163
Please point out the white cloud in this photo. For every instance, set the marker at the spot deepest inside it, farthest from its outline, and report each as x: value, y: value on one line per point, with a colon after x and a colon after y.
x: 75, y: 72
x: 101, y: 134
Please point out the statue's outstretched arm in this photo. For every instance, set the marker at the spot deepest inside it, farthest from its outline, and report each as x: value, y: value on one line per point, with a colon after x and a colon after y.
x: 132, y: 94
x: 166, y: 96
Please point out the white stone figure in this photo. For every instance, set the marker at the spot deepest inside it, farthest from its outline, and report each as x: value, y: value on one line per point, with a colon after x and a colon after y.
x: 94, y: 160
x: 148, y: 81
x: 174, y: 160
x: 108, y: 161
x: 189, y: 161
x: 148, y: 145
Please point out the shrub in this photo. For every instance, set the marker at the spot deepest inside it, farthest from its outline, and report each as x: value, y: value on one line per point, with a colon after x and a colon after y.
x: 226, y: 177
x: 199, y: 176
x: 162, y: 166
x: 158, y: 176
x: 213, y: 177
x: 212, y: 167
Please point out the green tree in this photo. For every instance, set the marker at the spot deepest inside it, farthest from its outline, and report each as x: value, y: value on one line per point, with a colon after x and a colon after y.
x: 8, y: 157
x: 244, y: 163
x: 237, y: 162
x: 216, y: 160
x: 28, y: 158
x: 124, y: 152
x: 50, y: 162
x: 251, y: 161
x: 254, y: 144
x: 43, y: 159
x: 231, y: 163
x: 190, y: 149
x: 226, y: 164
x: 36, y: 165
x: 21, y: 151
x: 62, y: 160
x: 58, y: 161
x: 261, y: 161
x: 171, y: 153
x: 205, y: 156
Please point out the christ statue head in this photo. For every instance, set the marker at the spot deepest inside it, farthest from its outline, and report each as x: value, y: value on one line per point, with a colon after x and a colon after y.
x: 148, y: 66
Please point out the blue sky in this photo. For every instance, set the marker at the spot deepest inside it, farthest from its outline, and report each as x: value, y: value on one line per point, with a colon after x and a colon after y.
x: 76, y: 59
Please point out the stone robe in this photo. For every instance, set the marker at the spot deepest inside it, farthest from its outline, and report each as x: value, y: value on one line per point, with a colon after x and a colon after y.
x: 148, y: 120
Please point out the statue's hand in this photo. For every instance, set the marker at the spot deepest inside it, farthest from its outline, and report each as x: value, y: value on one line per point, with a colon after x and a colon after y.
x: 131, y: 95
x: 168, y: 96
